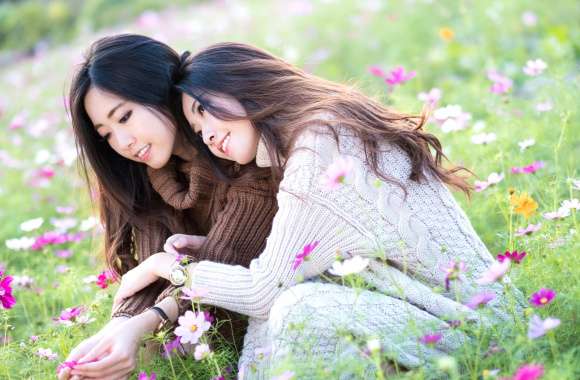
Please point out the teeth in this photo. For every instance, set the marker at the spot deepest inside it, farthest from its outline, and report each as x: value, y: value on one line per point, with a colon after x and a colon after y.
x: 142, y: 151
x: 226, y: 142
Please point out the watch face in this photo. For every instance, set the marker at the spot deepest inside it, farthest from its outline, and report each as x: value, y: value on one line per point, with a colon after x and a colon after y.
x: 177, y: 276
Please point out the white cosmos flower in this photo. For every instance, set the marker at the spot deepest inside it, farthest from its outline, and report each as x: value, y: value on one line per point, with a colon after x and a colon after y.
x: 20, y: 244
x: 525, y: 144
x: 350, y: 266
x: 31, y: 225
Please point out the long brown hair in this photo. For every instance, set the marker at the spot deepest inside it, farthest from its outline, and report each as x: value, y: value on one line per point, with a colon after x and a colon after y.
x: 141, y: 70
x: 280, y: 100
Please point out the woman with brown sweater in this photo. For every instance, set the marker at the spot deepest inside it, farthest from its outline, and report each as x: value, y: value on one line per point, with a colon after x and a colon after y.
x: 153, y: 186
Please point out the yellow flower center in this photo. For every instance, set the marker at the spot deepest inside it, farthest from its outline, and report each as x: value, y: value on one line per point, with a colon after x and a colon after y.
x: 193, y: 328
x: 543, y: 300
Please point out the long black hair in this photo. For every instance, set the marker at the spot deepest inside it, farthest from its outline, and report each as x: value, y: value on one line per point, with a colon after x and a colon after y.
x: 141, y: 70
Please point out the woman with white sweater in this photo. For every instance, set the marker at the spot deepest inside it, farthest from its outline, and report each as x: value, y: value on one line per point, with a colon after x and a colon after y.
x: 357, y: 179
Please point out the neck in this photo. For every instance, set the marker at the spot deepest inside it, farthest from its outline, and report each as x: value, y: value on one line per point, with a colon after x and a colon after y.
x: 182, y: 149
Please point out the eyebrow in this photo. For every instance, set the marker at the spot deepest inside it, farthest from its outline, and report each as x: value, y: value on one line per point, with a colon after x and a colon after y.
x: 111, y: 113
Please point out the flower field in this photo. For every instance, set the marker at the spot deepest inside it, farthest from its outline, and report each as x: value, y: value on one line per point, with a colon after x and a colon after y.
x: 500, y: 81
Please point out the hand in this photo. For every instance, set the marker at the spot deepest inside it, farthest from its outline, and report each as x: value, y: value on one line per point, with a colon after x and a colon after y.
x: 155, y: 266
x: 86, y: 345
x: 179, y: 241
x: 114, y: 356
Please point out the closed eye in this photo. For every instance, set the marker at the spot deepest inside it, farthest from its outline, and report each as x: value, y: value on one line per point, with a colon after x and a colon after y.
x: 125, y: 117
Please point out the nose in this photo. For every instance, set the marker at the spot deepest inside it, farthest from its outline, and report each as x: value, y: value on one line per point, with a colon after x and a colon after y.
x: 125, y: 140
x: 209, y: 135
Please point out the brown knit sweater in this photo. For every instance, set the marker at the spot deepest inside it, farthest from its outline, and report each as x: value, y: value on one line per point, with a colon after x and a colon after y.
x: 236, y: 219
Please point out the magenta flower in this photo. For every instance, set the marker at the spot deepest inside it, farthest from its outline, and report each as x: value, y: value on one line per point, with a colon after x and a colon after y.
x: 529, y: 169
x: 542, y: 297
x: 71, y: 364
x: 480, y: 300
x: 494, y: 273
x: 173, y: 347
x: 208, y: 316
x: 431, y: 339
x: 514, y: 256
x: 6, y: 298
x: 530, y: 229
x: 302, y: 256
x: 336, y: 173
x: 529, y: 372
x: 377, y: 71
x: 539, y: 327
x: 501, y: 84
x: 143, y: 376
x: 105, y: 278
x: 69, y: 315
x: 398, y: 76
x: 452, y: 272
x: 53, y: 238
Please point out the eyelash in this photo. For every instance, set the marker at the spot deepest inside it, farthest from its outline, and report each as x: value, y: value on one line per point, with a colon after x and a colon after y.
x: 122, y: 120
x: 125, y: 117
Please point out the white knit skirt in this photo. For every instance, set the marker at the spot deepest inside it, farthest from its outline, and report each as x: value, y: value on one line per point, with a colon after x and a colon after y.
x: 315, y: 328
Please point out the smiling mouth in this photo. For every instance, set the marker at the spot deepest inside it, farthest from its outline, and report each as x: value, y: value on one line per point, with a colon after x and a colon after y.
x: 224, y: 144
x: 143, y: 151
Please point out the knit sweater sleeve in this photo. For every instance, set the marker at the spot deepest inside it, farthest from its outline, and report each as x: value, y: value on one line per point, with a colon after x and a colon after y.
x: 239, y: 231
x: 301, y: 220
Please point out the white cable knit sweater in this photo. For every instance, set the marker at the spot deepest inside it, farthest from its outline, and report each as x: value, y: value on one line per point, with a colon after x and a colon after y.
x: 410, y: 240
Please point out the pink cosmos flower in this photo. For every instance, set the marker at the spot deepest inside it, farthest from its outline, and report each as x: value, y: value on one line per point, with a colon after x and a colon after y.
x: 46, y: 353
x: 302, y: 256
x: 542, y: 297
x: 201, y: 352
x: 492, y: 180
x: 54, y: 238
x: 529, y: 169
x: 529, y: 372
x: 451, y: 118
x: 514, y: 256
x: 430, y: 98
x: 544, y: 106
x: 398, y: 76
x: 535, y: 67
x: 33, y: 338
x: 529, y: 19
x: 539, y: 327
x: 561, y: 213
x: 208, y: 316
x: 173, y: 347
x: 431, y: 339
x: 494, y: 273
x: 63, y: 253
x: 105, y: 278
x: 191, y: 327
x: 6, y: 298
x: 193, y: 294
x: 452, y: 272
x: 336, y: 173
x: 17, y: 122
x: 480, y: 300
x: 530, y: 229
x: 377, y: 71
x: 143, y: 376
x: 70, y: 315
x: 501, y: 83
x: 67, y: 210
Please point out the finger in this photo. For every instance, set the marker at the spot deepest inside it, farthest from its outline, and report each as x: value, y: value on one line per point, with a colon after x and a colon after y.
x: 114, y: 363
x: 64, y: 374
x: 169, y: 248
x: 98, y: 351
x: 180, y: 242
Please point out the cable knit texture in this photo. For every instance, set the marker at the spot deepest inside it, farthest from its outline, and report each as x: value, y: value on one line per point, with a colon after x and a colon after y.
x: 408, y: 239
x: 236, y: 219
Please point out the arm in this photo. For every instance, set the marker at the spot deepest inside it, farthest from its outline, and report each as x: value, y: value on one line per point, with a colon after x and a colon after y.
x: 252, y: 290
x: 239, y: 232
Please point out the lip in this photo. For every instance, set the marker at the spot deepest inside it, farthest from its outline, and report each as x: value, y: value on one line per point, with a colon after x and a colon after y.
x: 221, y: 143
x: 146, y: 156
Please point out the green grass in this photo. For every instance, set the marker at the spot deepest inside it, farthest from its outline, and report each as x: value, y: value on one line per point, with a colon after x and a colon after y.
x: 337, y: 40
